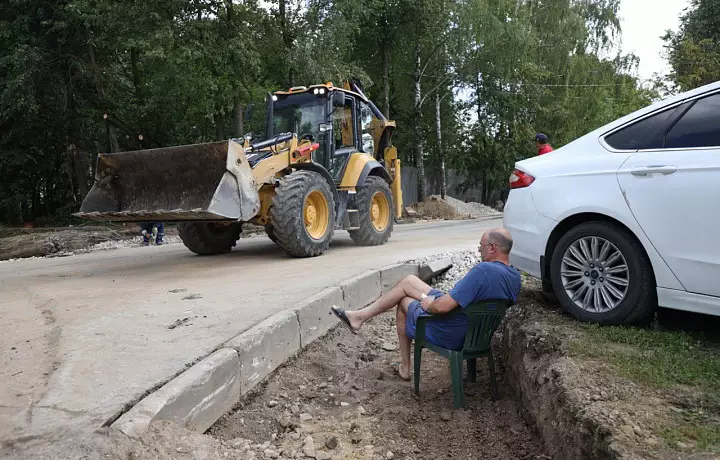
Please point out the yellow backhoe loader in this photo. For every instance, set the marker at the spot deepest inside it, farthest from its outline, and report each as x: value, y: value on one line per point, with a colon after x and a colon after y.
x: 327, y: 163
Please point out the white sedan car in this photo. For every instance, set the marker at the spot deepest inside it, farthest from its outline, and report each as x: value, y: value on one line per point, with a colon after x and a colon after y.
x: 627, y: 217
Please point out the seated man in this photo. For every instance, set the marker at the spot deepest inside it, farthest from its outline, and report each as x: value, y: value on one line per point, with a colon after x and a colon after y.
x: 493, y: 278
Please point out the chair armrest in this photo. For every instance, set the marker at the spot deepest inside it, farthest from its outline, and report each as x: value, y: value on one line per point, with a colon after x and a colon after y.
x: 422, y: 321
x: 430, y: 317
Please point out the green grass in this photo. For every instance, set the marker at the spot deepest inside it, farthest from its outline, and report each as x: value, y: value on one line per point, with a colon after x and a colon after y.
x: 658, y: 358
x: 663, y: 360
x: 705, y: 436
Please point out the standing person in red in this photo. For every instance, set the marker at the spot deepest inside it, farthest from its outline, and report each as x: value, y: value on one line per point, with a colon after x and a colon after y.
x: 541, y: 142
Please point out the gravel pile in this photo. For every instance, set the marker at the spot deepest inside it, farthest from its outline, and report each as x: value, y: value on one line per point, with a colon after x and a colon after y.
x: 463, y: 261
x: 472, y: 208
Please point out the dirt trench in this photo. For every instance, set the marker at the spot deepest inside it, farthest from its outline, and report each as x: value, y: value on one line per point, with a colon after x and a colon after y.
x: 341, y: 399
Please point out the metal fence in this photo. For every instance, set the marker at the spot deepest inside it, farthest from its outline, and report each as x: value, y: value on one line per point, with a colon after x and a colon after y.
x: 458, y: 185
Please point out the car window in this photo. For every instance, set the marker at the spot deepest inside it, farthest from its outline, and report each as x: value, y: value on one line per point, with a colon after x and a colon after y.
x: 699, y: 127
x: 647, y: 133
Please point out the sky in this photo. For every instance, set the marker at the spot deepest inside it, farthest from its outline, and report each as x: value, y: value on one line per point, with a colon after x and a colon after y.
x: 643, y: 22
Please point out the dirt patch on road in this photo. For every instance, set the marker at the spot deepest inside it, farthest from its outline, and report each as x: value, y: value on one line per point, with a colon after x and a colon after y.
x: 58, y: 242
x: 341, y: 399
x: 19, y: 243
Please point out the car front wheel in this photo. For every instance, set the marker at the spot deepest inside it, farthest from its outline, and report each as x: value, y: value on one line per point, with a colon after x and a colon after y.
x: 600, y: 273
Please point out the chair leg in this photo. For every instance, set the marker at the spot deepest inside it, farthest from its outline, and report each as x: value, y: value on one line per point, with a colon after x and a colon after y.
x: 493, y: 382
x: 418, y: 357
x: 456, y: 373
x: 472, y: 369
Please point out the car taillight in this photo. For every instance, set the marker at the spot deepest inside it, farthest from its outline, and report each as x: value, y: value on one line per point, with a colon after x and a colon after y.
x: 519, y: 179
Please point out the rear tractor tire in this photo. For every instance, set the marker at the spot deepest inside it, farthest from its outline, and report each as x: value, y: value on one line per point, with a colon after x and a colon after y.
x: 209, y: 238
x: 375, y: 213
x: 302, y: 215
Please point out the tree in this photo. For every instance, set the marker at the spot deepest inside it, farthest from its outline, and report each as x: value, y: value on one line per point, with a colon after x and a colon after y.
x: 694, y: 50
x: 467, y: 81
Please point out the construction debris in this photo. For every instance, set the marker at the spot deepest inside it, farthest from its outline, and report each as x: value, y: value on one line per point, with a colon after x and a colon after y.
x: 435, y: 207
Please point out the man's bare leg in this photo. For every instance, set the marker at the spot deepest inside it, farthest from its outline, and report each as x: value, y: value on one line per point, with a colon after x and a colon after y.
x: 404, y: 340
x: 410, y: 286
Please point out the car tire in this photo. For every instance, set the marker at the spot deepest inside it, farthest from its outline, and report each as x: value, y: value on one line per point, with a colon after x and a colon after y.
x: 567, y: 271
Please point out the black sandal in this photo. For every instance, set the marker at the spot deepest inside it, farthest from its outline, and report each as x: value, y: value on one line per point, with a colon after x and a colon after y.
x: 340, y: 313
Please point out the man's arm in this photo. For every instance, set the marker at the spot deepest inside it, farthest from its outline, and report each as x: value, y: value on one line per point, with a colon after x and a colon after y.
x: 439, y: 306
x: 462, y: 294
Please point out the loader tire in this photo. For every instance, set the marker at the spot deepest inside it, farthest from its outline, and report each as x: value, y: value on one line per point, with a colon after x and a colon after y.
x: 375, y: 213
x: 270, y: 232
x: 303, y: 214
x: 209, y: 238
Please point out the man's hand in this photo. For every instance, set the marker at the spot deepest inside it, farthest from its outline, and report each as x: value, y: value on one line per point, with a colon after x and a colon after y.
x: 440, y: 306
x: 426, y: 302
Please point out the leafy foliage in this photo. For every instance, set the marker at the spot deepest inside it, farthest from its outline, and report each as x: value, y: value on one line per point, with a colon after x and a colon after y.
x: 694, y: 50
x: 78, y: 77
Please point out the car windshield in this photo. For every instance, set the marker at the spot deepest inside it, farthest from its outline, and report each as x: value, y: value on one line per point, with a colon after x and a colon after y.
x: 299, y: 113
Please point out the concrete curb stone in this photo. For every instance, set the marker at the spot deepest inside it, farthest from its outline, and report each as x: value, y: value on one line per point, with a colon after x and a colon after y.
x: 265, y: 346
x: 198, y: 397
x: 434, y: 268
x: 361, y: 290
x: 315, y: 317
x: 195, y: 399
x: 390, y: 275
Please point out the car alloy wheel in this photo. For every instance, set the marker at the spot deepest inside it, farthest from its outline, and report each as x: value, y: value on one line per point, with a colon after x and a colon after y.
x: 595, y: 274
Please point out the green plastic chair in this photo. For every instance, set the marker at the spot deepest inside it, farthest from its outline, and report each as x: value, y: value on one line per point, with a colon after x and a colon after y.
x: 483, y: 319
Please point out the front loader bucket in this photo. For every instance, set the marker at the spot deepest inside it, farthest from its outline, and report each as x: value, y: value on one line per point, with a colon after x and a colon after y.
x: 212, y: 181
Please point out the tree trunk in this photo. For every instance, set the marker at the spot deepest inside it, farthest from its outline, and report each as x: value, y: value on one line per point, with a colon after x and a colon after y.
x: 219, y: 128
x: 386, y: 81
x: 230, y: 8
x: 441, y: 155
x: 483, y: 197
x: 80, y: 176
x: 419, y: 154
x: 113, y: 144
x: 135, y: 72
x: 238, y: 122
x: 287, y: 38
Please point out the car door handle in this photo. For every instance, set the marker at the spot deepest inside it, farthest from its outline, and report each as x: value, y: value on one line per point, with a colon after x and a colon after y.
x: 654, y: 169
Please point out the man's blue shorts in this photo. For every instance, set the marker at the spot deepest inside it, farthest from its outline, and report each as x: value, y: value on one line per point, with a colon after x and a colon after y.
x: 415, y: 310
x: 447, y: 334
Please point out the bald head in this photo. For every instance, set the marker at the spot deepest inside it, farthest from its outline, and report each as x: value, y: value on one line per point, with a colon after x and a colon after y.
x: 495, y: 245
x: 501, y: 238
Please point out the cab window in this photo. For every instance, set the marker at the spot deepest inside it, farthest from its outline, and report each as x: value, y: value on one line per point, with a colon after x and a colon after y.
x: 366, y: 129
x: 343, y: 128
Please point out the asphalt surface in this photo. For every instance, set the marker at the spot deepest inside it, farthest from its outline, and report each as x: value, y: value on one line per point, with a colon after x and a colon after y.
x: 85, y: 337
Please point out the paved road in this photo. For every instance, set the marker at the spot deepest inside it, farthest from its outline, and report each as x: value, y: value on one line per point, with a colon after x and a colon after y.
x: 83, y: 336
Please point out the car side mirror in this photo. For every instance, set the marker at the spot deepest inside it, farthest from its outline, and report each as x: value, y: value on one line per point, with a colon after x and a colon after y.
x: 324, y: 127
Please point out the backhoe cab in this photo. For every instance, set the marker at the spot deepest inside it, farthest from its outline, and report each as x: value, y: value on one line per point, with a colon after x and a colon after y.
x: 327, y: 163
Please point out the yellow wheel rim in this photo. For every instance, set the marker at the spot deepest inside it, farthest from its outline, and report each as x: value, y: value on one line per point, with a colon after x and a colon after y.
x: 316, y: 214
x: 380, y: 211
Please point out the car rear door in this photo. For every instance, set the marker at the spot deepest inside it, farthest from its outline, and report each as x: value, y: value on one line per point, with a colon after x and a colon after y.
x: 672, y: 187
